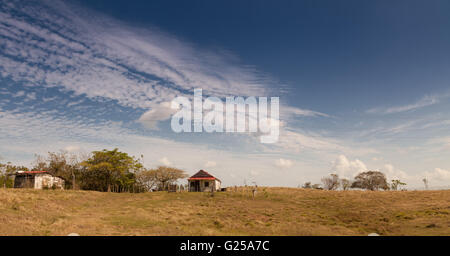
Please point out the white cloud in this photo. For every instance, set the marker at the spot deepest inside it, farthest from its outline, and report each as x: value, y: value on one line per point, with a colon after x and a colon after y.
x: 293, y: 111
x: 31, y: 96
x: 210, y: 164
x: 73, y: 103
x: 72, y: 148
x: 393, y: 173
x: 427, y: 100
x: 346, y: 168
x: 165, y: 161
x: 19, y: 94
x: 158, y: 112
x: 350, y: 168
x: 296, y: 140
x: 284, y: 163
x: 438, y: 177
x: 90, y: 56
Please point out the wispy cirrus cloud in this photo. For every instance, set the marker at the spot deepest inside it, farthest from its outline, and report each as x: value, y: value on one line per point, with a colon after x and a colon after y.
x: 58, y: 45
x: 426, y: 101
x: 289, y: 111
x: 55, y: 44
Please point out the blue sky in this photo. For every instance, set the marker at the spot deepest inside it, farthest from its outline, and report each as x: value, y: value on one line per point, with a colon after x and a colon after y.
x: 362, y: 85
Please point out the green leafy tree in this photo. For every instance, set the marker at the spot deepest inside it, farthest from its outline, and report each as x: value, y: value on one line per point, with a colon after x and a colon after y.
x: 7, y: 172
x: 396, y: 184
x: 110, y: 167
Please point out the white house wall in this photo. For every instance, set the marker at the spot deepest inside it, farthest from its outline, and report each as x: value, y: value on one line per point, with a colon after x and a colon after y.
x: 215, y: 183
x: 46, y: 180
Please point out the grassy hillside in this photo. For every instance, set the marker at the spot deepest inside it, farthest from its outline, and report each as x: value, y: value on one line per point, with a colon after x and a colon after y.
x: 274, y: 211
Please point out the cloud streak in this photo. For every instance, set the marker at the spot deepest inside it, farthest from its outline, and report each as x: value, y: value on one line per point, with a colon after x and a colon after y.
x: 60, y: 45
x: 424, y: 102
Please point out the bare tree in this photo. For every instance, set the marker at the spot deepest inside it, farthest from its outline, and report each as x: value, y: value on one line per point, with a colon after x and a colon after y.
x: 331, y: 182
x: 254, y: 190
x: 167, y: 175
x: 425, y: 182
x: 147, y: 179
x: 345, y: 184
x: 39, y: 164
x: 62, y: 164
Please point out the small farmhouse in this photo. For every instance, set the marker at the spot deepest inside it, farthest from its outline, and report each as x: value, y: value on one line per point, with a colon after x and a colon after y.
x: 37, y: 180
x: 203, y: 181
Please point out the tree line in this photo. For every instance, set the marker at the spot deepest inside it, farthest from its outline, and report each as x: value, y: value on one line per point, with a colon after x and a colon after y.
x: 116, y: 171
x: 370, y: 180
x: 105, y: 170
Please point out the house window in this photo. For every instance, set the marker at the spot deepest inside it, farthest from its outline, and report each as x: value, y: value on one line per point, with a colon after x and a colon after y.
x: 206, y: 184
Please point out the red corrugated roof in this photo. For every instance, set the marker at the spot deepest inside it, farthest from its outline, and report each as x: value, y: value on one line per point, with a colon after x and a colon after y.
x: 33, y: 172
x: 202, y: 175
x: 206, y: 178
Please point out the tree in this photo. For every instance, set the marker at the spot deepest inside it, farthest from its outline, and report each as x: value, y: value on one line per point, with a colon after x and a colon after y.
x: 64, y: 165
x: 345, y: 184
x: 331, y: 182
x: 425, y: 182
x: 168, y: 175
x: 395, y: 185
x: 316, y: 186
x: 40, y: 164
x: 307, y: 185
x: 110, y: 167
x: 6, y: 174
x: 61, y: 164
x: 147, y: 179
x: 371, y: 180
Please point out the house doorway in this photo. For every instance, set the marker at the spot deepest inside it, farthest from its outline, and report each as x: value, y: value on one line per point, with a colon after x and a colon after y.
x: 195, y: 186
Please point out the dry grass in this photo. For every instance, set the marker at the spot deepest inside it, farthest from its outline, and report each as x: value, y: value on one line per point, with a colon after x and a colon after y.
x: 274, y: 211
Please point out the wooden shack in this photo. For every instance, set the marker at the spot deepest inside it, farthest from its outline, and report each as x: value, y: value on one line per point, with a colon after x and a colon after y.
x: 37, y: 180
x: 203, y: 181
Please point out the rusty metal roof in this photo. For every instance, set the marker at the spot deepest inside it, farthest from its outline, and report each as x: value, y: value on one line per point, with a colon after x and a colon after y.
x: 202, y: 175
x: 31, y: 172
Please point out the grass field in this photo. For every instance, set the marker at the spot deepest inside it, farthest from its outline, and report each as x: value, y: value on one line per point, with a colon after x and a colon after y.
x: 274, y: 211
